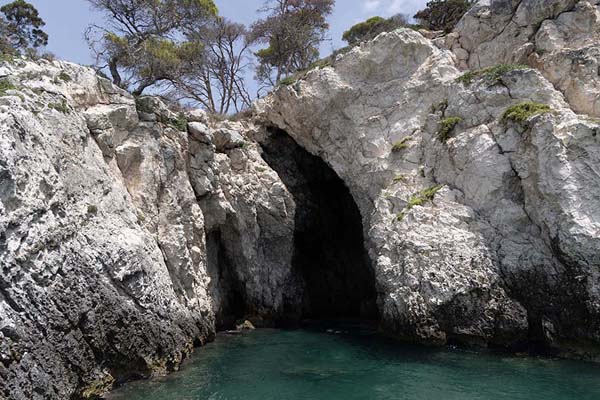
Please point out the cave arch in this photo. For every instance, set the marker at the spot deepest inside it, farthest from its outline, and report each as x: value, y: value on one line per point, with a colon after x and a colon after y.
x: 330, y: 259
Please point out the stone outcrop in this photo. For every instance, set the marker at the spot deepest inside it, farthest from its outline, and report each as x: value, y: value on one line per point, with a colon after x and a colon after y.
x: 104, y: 220
x: 130, y: 233
x: 558, y: 37
x: 488, y: 236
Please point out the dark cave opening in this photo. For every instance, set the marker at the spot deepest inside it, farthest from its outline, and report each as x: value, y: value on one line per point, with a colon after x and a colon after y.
x: 329, y: 257
x: 225, y: 288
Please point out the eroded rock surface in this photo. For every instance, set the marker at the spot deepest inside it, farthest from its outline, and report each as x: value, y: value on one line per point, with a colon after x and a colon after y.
x: 487, y: 237
x: 104, y: 216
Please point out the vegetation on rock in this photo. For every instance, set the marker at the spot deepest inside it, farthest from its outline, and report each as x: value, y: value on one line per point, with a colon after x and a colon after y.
x: 60, y: 107
x: 5, y: 86
x: 401, y: 144
x: 443, y: 15
x: 491, y: 74
x: 179, y: 123
x: 288, y: 80
x: 523, y: 111
x: 419, y: 199
x: 63, y: 76
x: 399, y: 178
x: 373, y: 26
x: 446, y: 127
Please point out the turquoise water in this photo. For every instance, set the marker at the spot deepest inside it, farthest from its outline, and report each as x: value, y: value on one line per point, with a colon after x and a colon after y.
x: 359, y: 364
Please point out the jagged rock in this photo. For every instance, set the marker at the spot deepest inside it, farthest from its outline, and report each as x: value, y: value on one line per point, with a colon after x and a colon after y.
x: 200, y: 132
x: 558, y: 37
x: 103, y: 242
x: 227, y: 139
x: 245, y: 326
x: 197, y: 115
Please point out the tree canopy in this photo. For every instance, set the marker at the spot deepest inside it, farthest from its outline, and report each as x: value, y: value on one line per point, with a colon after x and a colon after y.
x: 372, y: 27
x: 292, y: 31
x: 443, y: 15
x: 143, y: 42
x: 21, y: 27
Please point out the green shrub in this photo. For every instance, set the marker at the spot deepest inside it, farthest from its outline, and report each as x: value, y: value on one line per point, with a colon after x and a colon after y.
x: 440, y: 107
x: 446, y: 127
x: 92, y: 209
x: 429, y: 193
x: 443, y: 15
x: 60, y: 107
x: 401, y: 144
x: 63, y: 76
x: 144, y: 104
x: 419, y: 199
x: 523, y: 111
x: 7, y: 57
x: 372, y: 27
x: 491, y: 74
x: 179, y: 123
x: 399, y: 178
x: 5, y: 86
x: 287, y: 81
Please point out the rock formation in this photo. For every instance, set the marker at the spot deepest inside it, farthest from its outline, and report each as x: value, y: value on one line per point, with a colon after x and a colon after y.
x: 130, y: 233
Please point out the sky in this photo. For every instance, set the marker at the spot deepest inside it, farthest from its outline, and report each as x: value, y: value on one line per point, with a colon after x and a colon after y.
x: 66, y: 20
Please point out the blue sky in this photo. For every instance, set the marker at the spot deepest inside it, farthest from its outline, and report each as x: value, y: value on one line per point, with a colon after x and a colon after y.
x: 66, y: 20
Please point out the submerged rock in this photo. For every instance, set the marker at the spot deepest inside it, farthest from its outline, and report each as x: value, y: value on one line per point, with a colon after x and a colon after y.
x: 245, y: 326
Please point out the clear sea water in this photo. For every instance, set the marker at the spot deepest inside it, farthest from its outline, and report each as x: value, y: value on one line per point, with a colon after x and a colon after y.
x: 351, y: 363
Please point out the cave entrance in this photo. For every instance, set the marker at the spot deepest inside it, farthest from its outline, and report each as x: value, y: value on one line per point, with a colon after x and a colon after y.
x: 329, y: 254
x: 225, y: 288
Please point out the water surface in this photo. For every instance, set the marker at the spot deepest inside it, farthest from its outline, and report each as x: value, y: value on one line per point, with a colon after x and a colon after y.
x: 351, y: 363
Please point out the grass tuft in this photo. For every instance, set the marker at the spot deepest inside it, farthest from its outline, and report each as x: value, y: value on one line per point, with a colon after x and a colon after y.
x: 179, y: 123
x: 419, y: 199
x: 63, y: 76
x: 401, y: 144
x: 5, y: 86
x: 290, y: 80
x: 399, y: 178
x: 60, y: 107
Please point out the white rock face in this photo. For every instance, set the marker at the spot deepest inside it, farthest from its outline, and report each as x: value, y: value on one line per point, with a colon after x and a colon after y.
x: 103, y: 226
x: 506, y: 249
x: 558, y: 37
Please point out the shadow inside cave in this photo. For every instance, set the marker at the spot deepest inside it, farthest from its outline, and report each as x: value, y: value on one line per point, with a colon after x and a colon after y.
x: 330, y: 259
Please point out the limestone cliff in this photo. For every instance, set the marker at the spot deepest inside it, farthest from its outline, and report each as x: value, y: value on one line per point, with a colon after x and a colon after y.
x: 130, y: 233
x: 482, y: 227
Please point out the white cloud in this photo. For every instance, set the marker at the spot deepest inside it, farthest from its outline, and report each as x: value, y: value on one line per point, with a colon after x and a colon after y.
x: 390, y: 7
x: 409, y: 7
